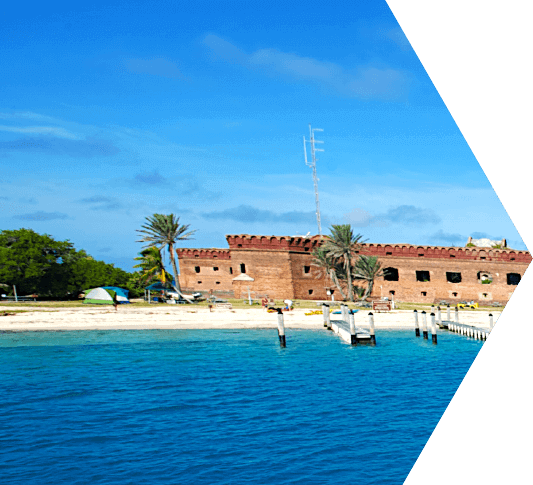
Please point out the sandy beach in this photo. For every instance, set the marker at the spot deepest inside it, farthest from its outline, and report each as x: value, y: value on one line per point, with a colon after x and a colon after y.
x: 176, y: 317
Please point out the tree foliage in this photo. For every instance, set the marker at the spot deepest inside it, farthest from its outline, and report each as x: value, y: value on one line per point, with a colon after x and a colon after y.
x: 152, y: 266
x: 161, y: 231
x: 38, y: 264
x: 341, y: 246
x: 339, y: 258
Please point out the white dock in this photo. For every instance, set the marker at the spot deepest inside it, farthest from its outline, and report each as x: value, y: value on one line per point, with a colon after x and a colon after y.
x: 342, y: 329
x: 478, y: 333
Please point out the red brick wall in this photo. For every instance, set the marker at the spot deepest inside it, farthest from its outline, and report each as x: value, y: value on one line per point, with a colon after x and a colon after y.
x: 277, y: 265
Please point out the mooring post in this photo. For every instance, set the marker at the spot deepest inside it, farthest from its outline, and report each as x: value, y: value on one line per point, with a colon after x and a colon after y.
x: 353, y: 336
x: 325, y: 313
x: 328, y: 318
x: 281, y: 329
x: 491, y: 321
x: 417, y: 329
x: 456, y: 314
x: 372, y: 328
x: 448, y: 317
x: 424, y: 325
x: 439, y: 316
x: 433, y: 329
x: 432, y: 308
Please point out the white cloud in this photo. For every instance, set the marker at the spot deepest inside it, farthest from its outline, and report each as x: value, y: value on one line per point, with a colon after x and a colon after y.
x: 40, y: 130
x: 361, y: 81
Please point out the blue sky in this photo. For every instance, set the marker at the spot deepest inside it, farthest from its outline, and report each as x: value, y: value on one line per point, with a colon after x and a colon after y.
x: 113, y: 111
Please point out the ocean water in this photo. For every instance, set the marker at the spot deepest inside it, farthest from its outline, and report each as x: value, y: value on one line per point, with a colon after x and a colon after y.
x: 220, y: 406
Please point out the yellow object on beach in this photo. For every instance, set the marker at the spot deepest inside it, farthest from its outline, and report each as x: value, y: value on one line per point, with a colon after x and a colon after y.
x: 317, y: 312
x: 467, y: 305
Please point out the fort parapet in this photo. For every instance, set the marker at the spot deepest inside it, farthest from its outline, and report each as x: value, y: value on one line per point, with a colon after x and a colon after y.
x: 282, y: 267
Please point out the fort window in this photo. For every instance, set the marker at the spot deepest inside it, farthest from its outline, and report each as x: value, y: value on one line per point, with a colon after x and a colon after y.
x: 452, y: 255
x: 215, y: 256
x: 388, y: 254
x: 390, y: 274
x: 215, y: 268
x: 243, y: 268
x: 199, y: 282
x: 484, y: 277
x: 513, y: 278
x: 310, y: 292
x: 392, y: 292
x: 197, y: 269
x: 453, y: 277
x: 512, y: 259
x: 424, y: 293
x: 485, y: 295
x: 420, y: 255
x: 196, y: 256
x: 454, y: 294
x: 483, y: 257
x: 422, y: 276
x: 239, y: 245
x: 230, y: 270
x: 307, y: 269
x: 217, y: 282
x: 307, y: 249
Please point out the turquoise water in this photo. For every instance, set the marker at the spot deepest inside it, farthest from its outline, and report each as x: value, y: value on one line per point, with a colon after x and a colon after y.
x: 220, y: 406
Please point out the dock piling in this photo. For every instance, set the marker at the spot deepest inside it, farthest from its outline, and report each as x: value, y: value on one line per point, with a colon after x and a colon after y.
x: 372, y: 328
x: 417, y: 328
x: 433, y: 329
x: 325, y: 313
x: 457, y: 314
x: 281, y: 329
x: 424, y: 325
x: 353, y: 335
x: 439, y: 316
x: 448, y: 317
x: 491, y: 321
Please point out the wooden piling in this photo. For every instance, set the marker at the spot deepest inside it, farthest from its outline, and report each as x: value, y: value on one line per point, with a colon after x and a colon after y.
x: 433, y: 329
x: 439, y: 316
x: 328, y: 319
x: 353, y: 335
x: 372, y: 328
x: 448, y: 317
x: 281, y: 329
x: 417, y: 328
x: 424, y: 325
x: 457, y: 314
x: 325, y: 314
x: 491, y: 321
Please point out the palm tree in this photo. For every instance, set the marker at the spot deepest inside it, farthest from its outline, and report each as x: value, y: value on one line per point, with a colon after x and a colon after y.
x: 164, y: 230
x: 322, y: 260
x: 367, y: 268
x: 152, y: 266
x: 341, y: 244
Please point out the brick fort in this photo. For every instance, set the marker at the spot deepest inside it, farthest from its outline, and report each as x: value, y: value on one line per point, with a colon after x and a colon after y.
x: 282, y: 267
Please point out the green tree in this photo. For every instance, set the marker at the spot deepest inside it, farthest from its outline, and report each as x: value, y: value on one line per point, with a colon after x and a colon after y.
x: 368, y: 268
x: 36, y: 263
x: 27, y: 257
x: 152, y: 266
x: 330, y: 266
x: 165, y: 231
x: 341, y: 245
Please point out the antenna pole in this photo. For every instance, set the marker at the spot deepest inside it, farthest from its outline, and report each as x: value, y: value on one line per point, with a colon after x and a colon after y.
x: 312, y: 164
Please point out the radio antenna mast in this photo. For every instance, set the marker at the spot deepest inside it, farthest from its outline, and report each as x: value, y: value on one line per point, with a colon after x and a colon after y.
x: 312, y: 164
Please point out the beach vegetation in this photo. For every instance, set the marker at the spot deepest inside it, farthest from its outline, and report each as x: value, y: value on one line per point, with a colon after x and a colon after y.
x: 368, y: 268
x: 341, y: 245
x: 164, y: 231
x: 38, y: 264
x: 151, y: 266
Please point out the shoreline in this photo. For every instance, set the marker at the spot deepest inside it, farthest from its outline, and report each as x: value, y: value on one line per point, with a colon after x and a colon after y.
x: 187, y: 318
